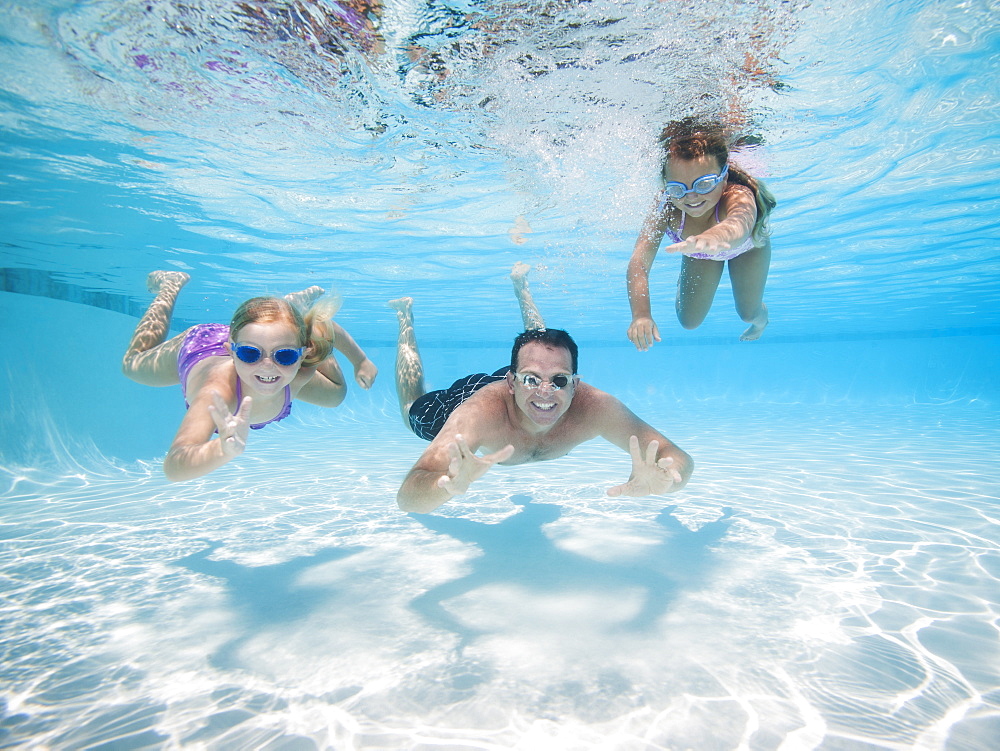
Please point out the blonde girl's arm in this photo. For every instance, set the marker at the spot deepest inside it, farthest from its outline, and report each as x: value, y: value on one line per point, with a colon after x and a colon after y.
x: 364, y: 369
x: 642, y: 332
x: 740, y: 214
x: 194, y: 452
x: 326, y: 387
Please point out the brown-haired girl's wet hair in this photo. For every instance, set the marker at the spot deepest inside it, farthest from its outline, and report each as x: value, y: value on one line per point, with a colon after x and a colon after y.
x: 311, y: 329
x: 696, y: 137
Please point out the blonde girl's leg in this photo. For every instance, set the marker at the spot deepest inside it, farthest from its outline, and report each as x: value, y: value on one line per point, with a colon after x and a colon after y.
x: 748, y: 274
x: 304, y: 298
x: 151, y: 359
x: 409, y: 368
x: 529, y: 311
x: 696, y: 286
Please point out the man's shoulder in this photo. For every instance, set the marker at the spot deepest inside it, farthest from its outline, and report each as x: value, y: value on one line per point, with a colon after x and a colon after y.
x: 481, y: 418
x: 488, y: 401
x: 595, y: 408
x: 592, y: 398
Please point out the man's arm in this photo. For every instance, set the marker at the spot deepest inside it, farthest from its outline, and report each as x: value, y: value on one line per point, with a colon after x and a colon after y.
x: 663, y: 469
x: 450, y: 464
x: 436, y: 476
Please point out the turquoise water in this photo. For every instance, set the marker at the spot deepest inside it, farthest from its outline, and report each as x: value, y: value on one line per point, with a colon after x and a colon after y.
x: 828, y: 580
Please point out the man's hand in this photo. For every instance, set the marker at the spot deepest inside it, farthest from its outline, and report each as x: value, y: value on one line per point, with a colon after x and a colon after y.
x: 466, y: 467
x: 233, y: 428
x: 650, y: 476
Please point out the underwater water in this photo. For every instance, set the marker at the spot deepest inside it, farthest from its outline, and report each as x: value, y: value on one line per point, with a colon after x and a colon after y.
x: 829, y: 579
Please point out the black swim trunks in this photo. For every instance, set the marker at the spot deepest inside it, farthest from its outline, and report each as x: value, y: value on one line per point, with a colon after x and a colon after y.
x: 429, y: 413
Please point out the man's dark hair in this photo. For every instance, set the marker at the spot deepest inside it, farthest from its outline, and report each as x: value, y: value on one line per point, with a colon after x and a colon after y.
x: 550, y: 337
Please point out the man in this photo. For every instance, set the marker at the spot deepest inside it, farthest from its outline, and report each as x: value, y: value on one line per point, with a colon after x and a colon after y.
x: 536, y: 409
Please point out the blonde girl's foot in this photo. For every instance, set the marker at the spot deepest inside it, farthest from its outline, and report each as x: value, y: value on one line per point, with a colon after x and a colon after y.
x: 157, y: 281
x: 756, y: 328
x: 304, y: 298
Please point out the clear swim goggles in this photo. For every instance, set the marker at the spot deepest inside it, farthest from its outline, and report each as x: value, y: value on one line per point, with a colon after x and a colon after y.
x: 249, y: 354
x: 705, y: 184
x: 533, y: 382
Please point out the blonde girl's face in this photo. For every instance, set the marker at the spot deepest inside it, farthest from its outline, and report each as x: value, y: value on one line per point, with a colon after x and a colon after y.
x: 266, y: 377
x: 687, y: 171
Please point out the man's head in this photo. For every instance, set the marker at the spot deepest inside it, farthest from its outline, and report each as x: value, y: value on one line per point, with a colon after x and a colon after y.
x: 549, y: 337
x: 543, y: 377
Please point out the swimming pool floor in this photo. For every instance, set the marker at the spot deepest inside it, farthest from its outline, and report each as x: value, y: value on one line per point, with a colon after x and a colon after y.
x: 829, y: 580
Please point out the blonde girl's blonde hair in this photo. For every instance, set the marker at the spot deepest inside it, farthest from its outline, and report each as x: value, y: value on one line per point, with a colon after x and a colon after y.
x: 696, y: 137
x: 312, y: 328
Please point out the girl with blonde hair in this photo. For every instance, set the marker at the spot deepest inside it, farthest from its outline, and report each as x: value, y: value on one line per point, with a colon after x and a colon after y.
x: 242, y: 376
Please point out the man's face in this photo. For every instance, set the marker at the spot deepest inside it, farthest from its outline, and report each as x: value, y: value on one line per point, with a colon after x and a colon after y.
x: 542, y: 404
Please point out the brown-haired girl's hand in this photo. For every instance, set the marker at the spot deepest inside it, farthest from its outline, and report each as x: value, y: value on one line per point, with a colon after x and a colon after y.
x: 643, y: 332
x: 706, y: 243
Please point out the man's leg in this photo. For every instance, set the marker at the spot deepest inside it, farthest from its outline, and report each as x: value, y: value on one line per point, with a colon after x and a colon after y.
x: 409, y: 369
x: 529, y: 311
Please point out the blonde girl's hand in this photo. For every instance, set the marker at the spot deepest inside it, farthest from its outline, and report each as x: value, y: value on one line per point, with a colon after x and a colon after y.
x: 643, y: 332
x: 703, y: 243
x: 233, y: 428
x: 364, y: 373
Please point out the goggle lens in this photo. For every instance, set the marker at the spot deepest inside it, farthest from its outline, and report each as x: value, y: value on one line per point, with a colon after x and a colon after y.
x: 286, y: 356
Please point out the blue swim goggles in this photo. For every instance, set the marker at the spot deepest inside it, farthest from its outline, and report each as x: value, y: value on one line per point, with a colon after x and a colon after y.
x: 249, y: 354
x: 704, y: 184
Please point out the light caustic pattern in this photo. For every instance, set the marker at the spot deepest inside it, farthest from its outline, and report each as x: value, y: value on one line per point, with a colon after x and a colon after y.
x: 819, y: 584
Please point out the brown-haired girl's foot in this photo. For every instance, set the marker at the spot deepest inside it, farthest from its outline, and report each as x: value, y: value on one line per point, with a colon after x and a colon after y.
x: 756, y: 328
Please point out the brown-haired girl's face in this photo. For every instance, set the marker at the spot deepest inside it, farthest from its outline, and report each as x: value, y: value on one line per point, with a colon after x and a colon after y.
x: 687, y: 172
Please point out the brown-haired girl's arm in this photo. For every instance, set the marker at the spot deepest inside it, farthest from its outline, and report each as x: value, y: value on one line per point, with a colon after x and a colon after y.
x: 642, y: 332
x: 364, y: 369
x: 740, y: 208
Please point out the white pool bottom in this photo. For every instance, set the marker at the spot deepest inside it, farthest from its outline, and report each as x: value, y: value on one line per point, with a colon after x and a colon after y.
x: 829, y: 579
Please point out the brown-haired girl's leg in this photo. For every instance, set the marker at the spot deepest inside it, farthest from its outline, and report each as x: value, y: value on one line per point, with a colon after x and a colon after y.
x: 149, y: 359
x: 529, y: 311
x: 696, y: 287
x: 409, y: 368
x: 748, y: 274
